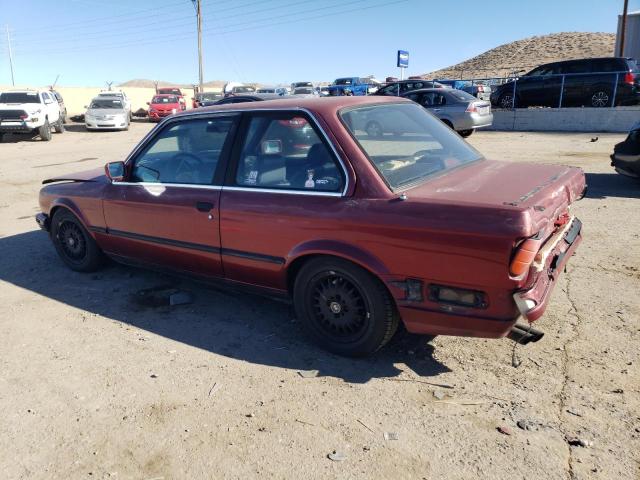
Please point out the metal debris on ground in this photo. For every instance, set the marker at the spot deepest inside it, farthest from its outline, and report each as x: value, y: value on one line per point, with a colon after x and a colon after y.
x: 364, y: 425
x: 574, y: 412
x: 308, y: 373
x: 153, y: 375
x: 213, y: 387
x: 391, y: 436
x: 337, y: 456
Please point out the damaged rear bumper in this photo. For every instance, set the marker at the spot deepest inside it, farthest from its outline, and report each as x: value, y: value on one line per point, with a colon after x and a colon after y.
x: 533, y: 302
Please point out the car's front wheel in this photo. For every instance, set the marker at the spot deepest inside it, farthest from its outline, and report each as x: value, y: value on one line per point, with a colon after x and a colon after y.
x: 77, y: 249
x: 59, y: 126
x: 343, y: 307
x: 45, y: 131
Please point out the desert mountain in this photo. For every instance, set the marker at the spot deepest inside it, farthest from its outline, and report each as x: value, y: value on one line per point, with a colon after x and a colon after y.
x: 530, y: 52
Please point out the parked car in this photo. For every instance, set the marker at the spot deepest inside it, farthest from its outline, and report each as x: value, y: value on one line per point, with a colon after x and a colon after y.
x: 256, y: 97
x: 122, y: 96
x: 295, y: 85
x: 323, y: 90
x: 30, y: 111
x: 205, y: 99
x: 63, y: 107
x: 106, y: 113
x: 304, y: 91
x: 403, y: 86
x: 360, y: 233
x: 163, y: 105
x: 355, y: 86
x: 586, y: 83
x: 457, y: 109
x: 173, y: 91
x: 626, y: 155
x: 240, y: 90
x: 478, y: 90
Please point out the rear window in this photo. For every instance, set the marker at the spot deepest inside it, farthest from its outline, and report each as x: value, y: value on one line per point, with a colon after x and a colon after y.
x: 344, y: 81
x: 406, y: 144
x: 19, y: 97
x: 462, y: 96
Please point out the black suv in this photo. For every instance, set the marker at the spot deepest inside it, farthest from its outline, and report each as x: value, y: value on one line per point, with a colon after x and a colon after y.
x: 587, y: 84
x: 395, y: 89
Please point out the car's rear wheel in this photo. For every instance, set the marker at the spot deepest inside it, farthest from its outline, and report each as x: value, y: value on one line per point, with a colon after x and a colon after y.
x: 77, y: 249
x: 59, y: 126
x: 45, y: 131
x: 466, y: 133
x: 600, y: 98
x: 448, y: 123
x: 373, y: 129
x: 343, y: 307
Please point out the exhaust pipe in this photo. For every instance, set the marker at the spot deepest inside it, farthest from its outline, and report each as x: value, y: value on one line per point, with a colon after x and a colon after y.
x: 524, y: 334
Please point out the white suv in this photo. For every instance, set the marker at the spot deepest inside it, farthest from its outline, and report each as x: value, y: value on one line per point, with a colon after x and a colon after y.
x: 30, y: 111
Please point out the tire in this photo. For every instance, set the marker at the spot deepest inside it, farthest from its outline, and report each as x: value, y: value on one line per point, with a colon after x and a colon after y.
x: 600, y: 98
x: 45, y: 131
x: 59, y: 126
x: 448, y: 124
x: 506, y: 101
x: 77, y: 249
x: 344, y: 308
x: 373, y: 129
x: 465, y: 133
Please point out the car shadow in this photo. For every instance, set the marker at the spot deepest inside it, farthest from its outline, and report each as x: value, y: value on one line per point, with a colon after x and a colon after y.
x: 19, y: 137
x: 75, y: 127
x: 225, y: 322
x: 603, y: 185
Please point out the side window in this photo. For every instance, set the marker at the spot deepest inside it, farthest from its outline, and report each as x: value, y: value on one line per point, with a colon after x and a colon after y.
x: 45, y: 96
x: 284, y: 151
x: 185, y: 152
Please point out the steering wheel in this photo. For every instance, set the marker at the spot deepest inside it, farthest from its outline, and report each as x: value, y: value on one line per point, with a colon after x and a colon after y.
x: 187, y: 166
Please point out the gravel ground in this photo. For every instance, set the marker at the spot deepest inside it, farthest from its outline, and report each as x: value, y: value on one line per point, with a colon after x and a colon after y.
x: 97, y: 383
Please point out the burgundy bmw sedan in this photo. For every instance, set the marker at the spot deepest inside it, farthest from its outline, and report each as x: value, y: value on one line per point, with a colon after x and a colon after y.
x: 294, y: 198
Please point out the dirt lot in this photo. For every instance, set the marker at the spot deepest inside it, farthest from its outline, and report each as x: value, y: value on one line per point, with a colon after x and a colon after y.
x: 96, y: 384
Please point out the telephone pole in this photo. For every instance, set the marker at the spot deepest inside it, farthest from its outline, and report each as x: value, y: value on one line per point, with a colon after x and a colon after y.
x: 198, y: 7
x: 13, y: 83
x: 623, y: 28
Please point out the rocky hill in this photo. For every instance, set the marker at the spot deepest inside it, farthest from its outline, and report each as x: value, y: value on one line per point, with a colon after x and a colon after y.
x: 146, y: 83
x: 530, y: 52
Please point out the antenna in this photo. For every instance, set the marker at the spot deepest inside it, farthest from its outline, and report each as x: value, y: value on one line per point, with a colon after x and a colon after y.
x: 10, y: 55
x: 55, y: 82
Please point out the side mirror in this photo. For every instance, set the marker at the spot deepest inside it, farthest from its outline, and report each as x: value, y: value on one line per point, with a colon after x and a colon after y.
x: 114, y: 171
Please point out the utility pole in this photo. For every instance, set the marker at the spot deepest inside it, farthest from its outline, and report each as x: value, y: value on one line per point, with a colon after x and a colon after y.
x: 10, y: 55
x: 197, y: 5
x: 623, y: 28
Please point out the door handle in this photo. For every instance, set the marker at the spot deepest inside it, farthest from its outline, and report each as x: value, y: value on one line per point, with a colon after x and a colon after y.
x: 204, y: 206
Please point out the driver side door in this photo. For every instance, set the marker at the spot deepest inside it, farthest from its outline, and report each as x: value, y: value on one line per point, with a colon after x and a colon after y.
x: 166, y: 212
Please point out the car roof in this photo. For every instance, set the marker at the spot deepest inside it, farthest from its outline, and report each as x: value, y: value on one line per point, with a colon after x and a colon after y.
x: 322, y: 105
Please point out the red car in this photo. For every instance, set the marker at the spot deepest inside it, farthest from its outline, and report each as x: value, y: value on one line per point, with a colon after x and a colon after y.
x: 162, y: 106
x: 360, y: 232
x: 173, y: 91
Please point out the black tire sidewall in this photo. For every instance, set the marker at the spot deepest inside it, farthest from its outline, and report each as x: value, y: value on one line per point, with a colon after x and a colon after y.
x: 377, y: 299
x: 94, y: 257
x: 45, y: 131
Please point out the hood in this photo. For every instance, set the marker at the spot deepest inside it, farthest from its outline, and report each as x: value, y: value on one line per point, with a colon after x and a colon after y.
x: 539, y: 193
x: 94, y: 175
x: 165, y: 106
x: 106, y: 111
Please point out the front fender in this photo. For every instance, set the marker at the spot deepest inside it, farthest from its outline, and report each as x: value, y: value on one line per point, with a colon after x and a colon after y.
x: 69, y: 204
x: 350, y: 252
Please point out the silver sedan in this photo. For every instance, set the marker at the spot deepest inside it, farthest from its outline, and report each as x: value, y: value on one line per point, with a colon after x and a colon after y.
x: 106, y: 113
x: 461, y: 111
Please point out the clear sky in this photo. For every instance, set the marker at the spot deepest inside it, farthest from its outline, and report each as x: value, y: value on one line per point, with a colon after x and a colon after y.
x: 89, y: 42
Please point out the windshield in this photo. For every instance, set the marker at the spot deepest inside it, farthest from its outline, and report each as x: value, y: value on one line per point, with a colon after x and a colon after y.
x: 303, y: 91
x: 344, y: 81
x: 170, y: 91
x: 171, y: 99
x: 266, y: 90
x: 106, y: 103
x: 302, y: 84
x: 405, y: 143
x: 19, y: 97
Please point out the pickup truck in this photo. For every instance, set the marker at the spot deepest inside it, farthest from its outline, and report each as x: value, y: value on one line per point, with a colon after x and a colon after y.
x: 355, y: 86
x: 30, y: 111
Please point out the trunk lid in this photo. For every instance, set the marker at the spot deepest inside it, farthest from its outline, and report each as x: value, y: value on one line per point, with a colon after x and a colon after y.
x: 539, y: 193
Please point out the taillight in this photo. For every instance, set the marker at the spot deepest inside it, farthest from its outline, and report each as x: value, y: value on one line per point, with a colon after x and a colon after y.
x: 471, y: 108
x: 629, y: 78
x: 480, y: 88
x: 524, y: 256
